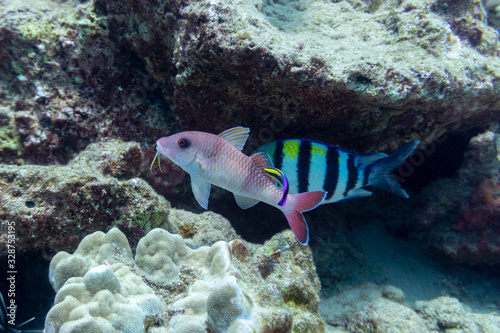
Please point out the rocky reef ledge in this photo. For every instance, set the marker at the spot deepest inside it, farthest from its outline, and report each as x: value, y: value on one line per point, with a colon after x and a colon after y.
x: 366, y: 75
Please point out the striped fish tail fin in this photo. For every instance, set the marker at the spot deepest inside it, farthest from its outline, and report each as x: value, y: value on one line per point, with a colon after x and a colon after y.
x: 380, y: 172
x: 298, y: 203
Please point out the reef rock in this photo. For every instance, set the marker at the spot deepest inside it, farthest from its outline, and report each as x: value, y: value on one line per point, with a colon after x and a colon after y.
x: 366, y: 75
x: 493, y: 8
x: 54, y: 207
x: 460, y: 216
x: 361, y: 74
x: 448, y: 314
x: 372, y: 308
x: 225, y: 287
x: 385, y: 316
x: 453, y: 209
x: 67, y: 82
x: 356, y: 309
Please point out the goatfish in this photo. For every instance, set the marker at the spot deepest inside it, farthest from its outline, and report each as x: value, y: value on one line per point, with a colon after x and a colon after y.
x: 212, y: 159
x: 316, y: 166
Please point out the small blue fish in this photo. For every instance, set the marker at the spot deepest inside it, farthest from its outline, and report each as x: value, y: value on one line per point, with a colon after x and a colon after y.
x: 316, y: 166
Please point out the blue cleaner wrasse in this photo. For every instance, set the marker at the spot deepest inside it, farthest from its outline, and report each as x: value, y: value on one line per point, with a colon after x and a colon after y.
x: 316, y: 166
x: 218, y: 160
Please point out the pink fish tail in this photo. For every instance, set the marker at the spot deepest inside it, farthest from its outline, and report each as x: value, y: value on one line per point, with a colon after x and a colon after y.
x: 299, y: 203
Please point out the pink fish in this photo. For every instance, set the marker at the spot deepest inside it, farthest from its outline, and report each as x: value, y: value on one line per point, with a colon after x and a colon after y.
x: 217, y: 159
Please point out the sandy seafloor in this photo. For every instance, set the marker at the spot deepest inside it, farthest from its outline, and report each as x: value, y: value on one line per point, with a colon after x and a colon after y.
x: 404, y: 264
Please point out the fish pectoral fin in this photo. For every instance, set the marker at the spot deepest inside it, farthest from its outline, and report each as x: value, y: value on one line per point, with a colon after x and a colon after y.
x: 245, y: 202
x: 201, y: 191
x: 358, y: 192
x: 237, y: 136
x: 207, y: 163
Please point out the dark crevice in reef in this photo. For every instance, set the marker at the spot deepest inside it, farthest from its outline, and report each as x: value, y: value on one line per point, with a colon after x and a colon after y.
x: 33, y: 293
x: 441, y: 158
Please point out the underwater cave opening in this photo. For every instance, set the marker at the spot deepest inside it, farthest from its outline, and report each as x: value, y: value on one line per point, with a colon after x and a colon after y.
x: 442, y: 159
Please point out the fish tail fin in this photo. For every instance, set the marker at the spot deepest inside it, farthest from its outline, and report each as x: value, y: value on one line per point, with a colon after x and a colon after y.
x: 380, y: 172
x: 299, y: 203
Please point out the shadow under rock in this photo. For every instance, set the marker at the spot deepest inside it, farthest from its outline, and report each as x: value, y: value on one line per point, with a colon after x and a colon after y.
x: 34, y: 294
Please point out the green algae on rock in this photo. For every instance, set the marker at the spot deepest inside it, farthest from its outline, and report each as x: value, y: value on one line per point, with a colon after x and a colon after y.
x: 46, y: 19
x: 10, y: 144
x: 63, y: 78
x: 382, y: 72
x: 203, y: 283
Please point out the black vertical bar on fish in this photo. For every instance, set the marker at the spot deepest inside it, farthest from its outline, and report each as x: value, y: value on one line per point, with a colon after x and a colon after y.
x: 352, y: 173
x: 278, y: 155
x: 304, y: 165
x: 332, y: 172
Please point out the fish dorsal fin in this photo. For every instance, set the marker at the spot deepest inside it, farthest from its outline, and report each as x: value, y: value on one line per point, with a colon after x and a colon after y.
x: 237, y: 136
x: 245, y: 202
x: 262, y: 160
x: 364, y: 160
x: 201, y: 191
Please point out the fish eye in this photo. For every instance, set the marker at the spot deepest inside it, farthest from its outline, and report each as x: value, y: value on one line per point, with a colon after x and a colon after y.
x: 183, y: 143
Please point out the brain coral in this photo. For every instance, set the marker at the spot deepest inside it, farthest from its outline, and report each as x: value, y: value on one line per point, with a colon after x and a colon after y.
x: 226, y: 287
x: 99, y: 298
x: 99, y: 302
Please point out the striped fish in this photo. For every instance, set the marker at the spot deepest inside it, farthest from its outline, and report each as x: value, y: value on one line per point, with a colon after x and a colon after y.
x: 316, y: 166
x: 218, y: 160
